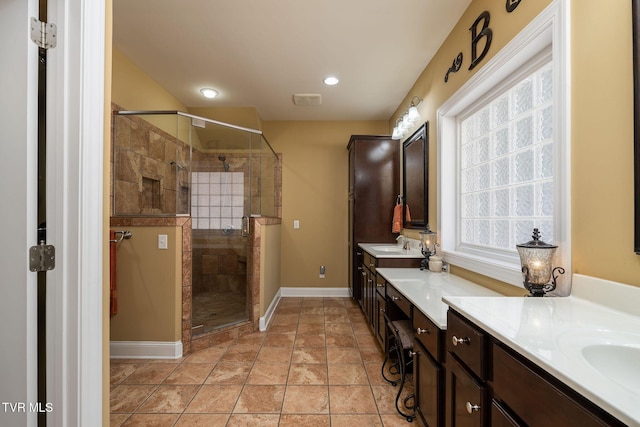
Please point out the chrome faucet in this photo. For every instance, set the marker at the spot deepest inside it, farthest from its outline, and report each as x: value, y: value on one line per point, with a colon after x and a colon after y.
x: 406, y: 243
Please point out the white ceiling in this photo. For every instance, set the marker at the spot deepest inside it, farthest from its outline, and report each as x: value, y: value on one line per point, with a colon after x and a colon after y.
x: 258, y: 53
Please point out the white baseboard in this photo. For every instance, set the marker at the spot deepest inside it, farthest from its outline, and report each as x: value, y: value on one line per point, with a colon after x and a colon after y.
x: 264, y: 320
x: 145, y: 350
x: 315, y: 292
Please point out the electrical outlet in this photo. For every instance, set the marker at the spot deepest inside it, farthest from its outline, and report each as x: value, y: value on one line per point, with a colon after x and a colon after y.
x: 322, y: 271
x: 296, y: 223
x: 162, y: 241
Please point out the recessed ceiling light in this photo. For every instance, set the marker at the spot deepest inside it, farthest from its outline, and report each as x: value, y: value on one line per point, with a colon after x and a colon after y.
x: 331, y: 80
x: 208, y: 92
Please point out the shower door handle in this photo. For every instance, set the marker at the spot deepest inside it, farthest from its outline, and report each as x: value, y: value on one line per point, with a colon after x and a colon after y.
x: 245, y: 226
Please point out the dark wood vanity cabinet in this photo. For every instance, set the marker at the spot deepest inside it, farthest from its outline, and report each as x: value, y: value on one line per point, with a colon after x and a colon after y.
x: 490, y: 384
x: 374, y: 183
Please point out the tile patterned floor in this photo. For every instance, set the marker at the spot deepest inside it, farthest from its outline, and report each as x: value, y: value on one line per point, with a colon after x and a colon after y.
x: 317, y: 365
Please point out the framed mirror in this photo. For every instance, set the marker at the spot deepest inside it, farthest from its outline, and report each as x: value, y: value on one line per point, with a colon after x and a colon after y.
x: 415, y: 178
x: 635, y: 7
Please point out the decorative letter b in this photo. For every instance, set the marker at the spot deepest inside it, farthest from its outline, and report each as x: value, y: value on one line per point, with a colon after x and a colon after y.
x: 476, y: 36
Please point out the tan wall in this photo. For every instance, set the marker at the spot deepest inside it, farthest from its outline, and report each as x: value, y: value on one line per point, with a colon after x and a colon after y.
x: 601, y: 122
x: 149, y: 284
x: 430, y: 86
x: 270, y: 261
x: 133, y: 89
x: 602, y: 141
x: 314, y: 191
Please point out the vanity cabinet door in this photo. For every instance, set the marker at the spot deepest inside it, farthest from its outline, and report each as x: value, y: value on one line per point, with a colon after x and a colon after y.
x: 428, y: 387
x: 380, y: 325
x: 466, y: 400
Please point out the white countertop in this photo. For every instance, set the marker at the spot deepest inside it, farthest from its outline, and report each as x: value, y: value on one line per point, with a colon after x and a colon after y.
x: 425, y: 290
x: 561, y: 335
x: 390, y: 250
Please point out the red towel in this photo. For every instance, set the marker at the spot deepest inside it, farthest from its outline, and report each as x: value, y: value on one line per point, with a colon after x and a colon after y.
x: 113, y: 292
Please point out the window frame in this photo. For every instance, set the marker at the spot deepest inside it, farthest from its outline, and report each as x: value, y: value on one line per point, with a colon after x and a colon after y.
x: 548, y: 31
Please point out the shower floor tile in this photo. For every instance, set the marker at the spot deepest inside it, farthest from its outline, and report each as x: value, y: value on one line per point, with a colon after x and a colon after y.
x: 215, y: 309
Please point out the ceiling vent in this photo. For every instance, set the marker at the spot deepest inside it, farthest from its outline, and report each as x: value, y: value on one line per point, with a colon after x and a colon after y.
x: 307, y: 99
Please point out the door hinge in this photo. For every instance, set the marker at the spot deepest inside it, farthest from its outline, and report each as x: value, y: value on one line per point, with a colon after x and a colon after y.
x: 43, y: 33
x: 42, y: 257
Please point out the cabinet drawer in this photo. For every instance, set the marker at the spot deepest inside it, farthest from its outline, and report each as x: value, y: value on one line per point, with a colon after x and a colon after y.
x: 380, y: 286
x: 468, y: 343
x: 428, y: 334
x: 396, y: 297
x: 369, y: 261
x: 554, y: 404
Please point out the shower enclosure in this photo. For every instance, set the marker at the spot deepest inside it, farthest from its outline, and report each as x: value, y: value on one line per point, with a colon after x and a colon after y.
x: 173, y: 164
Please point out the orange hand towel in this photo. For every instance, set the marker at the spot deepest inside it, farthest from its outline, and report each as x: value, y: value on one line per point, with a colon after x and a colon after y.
x: 396, y: 225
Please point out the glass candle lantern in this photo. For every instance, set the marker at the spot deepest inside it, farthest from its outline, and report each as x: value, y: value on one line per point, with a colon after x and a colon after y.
x: 536, y: 257
x: 428, y: 244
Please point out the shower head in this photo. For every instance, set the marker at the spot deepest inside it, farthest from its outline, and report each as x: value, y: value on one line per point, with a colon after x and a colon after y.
x: 223, y: 159
x: 178, y: 166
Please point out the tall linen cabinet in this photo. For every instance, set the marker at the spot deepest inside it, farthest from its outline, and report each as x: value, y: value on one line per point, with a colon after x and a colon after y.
x: 374, y: 183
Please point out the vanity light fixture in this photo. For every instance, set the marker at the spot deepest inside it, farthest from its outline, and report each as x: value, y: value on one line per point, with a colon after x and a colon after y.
x: 428, y: 244
x: 209, y: 93
x: 536, y: 257
x: 331, y: 80
x: 404, y: 123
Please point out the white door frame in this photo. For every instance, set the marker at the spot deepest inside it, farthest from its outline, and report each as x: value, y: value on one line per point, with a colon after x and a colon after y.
x: 75, y: 140
x: 18, y: 186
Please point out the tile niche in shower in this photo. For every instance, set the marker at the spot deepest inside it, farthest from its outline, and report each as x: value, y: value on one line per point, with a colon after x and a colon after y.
x: 217, y: 200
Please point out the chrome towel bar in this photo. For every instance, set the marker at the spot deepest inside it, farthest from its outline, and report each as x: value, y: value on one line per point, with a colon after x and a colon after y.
x: 124, y: 234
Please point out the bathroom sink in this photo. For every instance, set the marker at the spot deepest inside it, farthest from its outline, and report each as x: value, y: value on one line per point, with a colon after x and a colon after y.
x: 388, y: 248
x: 617, y: 362
x: 612, y: 354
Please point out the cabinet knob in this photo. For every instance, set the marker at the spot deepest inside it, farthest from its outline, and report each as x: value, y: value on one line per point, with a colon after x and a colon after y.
x: 380, y: 285
x: 394, y: 298
x: 455, y: 340
x: 413, y: 353
x: 422, y: 331
x: 371, y: 265
x: 472, y: 408
x: 382, y: 310
x: 363, y: 274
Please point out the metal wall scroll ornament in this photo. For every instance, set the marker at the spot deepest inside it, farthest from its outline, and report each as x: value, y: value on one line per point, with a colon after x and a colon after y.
x: 512, y: 4
x: 455, y: 67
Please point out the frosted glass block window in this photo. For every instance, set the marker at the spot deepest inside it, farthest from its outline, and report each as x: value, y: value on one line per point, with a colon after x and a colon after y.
x: 504, y: 154
x: 506, y: 165
x: 217, y: 202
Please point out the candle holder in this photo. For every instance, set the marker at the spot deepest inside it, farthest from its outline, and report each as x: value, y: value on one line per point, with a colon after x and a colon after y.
x: 535, y: 257
x: 428, y: 246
